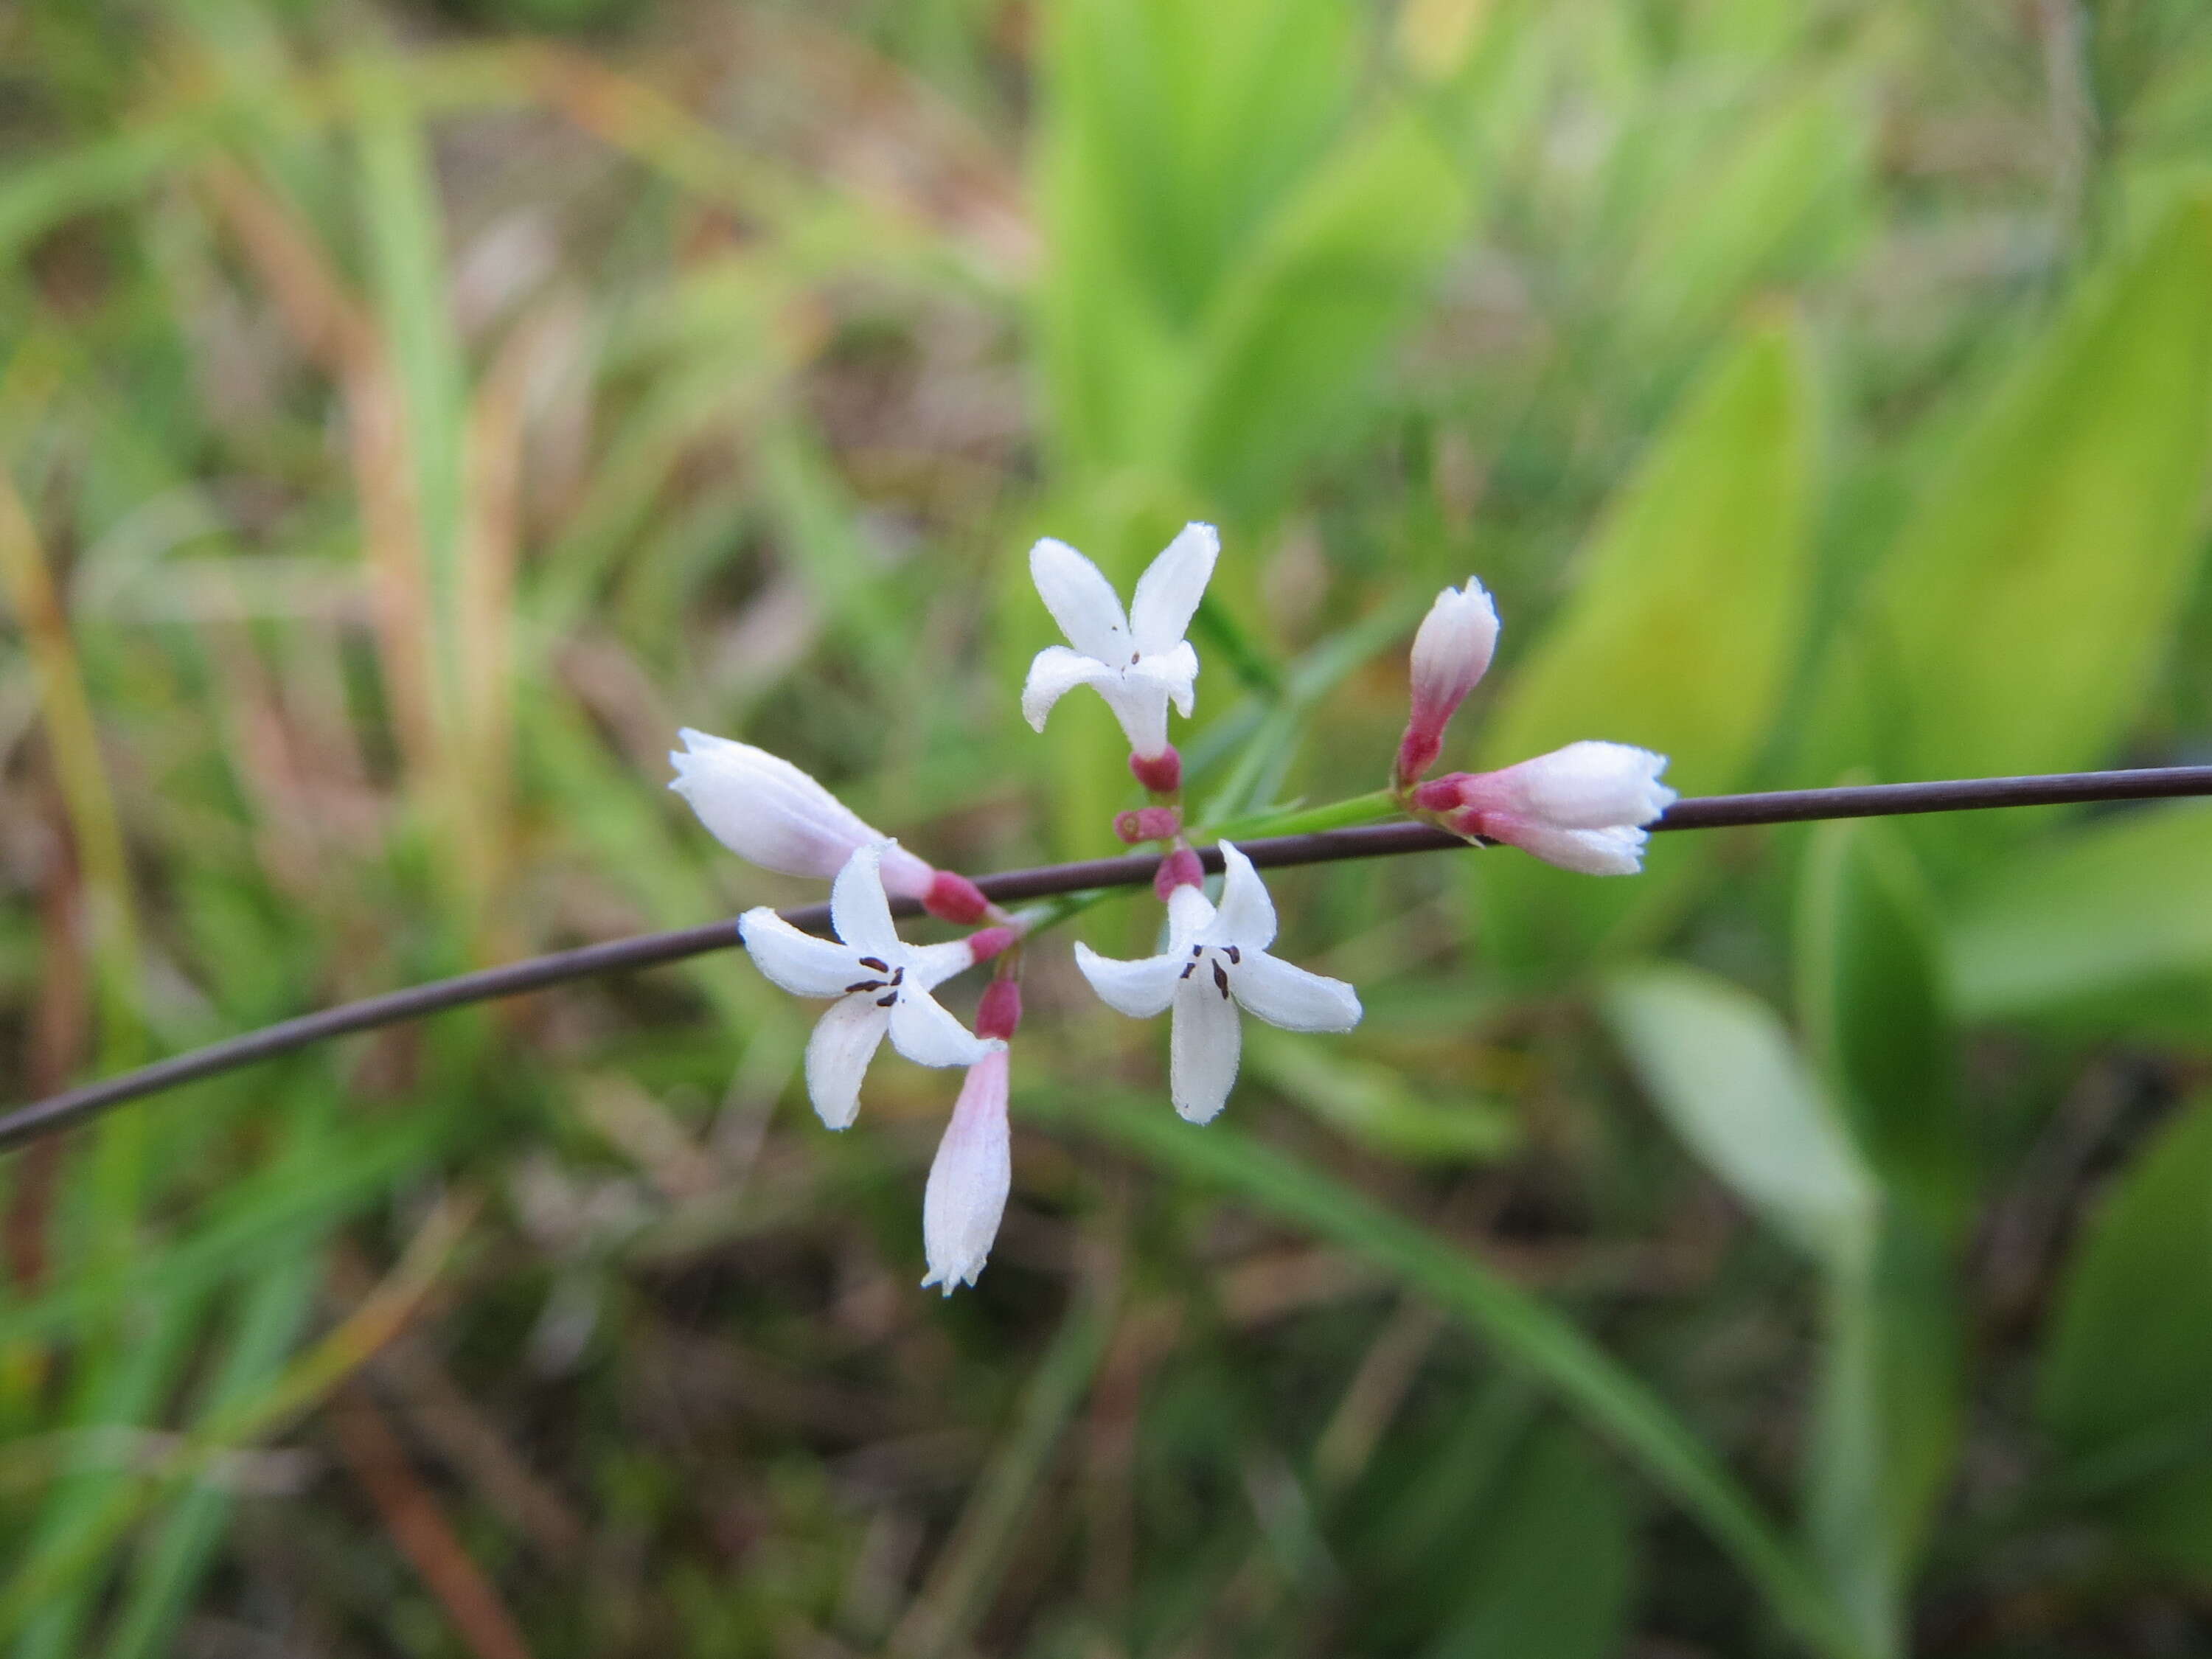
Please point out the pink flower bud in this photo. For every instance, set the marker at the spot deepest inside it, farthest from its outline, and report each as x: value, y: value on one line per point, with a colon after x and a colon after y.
x: 1162, y: 773
x: 987, y: 942
x: 1000, y: 1010
x: 969, y: 1181
x: 954, y: 898
x: 1179, y: 868
x: 1581, y: 807
x: 1148, y: 823
x: 1451, y: 650
x: 768, y: 812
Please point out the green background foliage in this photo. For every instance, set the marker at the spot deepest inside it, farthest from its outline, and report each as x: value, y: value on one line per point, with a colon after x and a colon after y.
x: 411, y: 414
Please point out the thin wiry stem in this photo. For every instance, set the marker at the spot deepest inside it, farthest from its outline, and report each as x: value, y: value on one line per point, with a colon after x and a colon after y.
x: 1277, y: 852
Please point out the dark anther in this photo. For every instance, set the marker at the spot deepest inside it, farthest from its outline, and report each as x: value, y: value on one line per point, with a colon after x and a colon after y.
x: 1195, y: 951
x: 885, y: 1002
x: 1186, y: 967
x: 1221, y: 978
x: 876, y: 963
x: 865, y: 985
x: 1233, y: 956
x: 898, y: 976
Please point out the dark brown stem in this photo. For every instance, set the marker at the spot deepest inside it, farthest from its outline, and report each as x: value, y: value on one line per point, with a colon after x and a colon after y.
x: 1277, y: 852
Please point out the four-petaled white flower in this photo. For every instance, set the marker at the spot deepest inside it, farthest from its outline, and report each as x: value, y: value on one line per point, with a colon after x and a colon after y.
x: 1216, y: 962
x: 882, y: 985
x: 1139, y: 662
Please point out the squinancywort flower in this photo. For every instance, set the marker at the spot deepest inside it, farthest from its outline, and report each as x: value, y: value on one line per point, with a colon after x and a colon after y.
x: 1217, y: 962
x: 1139, y: 663
x: 882, y: 985
x: 1451, y: 651
x: 1578, y: 807
x: 974, y: 1168
x: 769, y: 813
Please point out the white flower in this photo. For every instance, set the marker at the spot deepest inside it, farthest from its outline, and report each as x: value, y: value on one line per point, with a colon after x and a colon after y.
x: 1216, y: 962
x: 1580, y: 807
x: 1139, y: 662
x: 970, y: 1179
x: 1451, y: 651
x: 882, y: 985
x: 768, y: 812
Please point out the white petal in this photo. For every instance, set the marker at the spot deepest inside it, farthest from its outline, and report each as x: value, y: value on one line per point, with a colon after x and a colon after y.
x: 1247, y: 916
x: 1291, y: 997
x: 764, y: 809
x: 1203, y: 1049
x: 858, y: 909
x: 1168, y: 592
x: 903, y: 874
x: 1615, y: 852
x: 1190, y: 913
x: 802, y: 965
x: 1055, y: 672
x: 1139, y: 989
x: 930, y: 965
x: 1173, y: 672
x: 1452, y: 650
x: 969, y: 1180
x: 1592, y: 785
x: 1140, y: 702
x: 926, y: 1035
x: 1082, y: 601
x: 838, y: 1054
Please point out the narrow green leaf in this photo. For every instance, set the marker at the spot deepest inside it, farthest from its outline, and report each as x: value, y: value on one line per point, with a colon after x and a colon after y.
x: 1875, y: 1010
x: 1725, y: 1074
x: 2128, y: 1365
x: 1293, y: 343
x: 2019, y: 617
x: 1549, y: 1574
x: 2093, y: 915
x: 1609, y: 1398
x: 1678, y: 636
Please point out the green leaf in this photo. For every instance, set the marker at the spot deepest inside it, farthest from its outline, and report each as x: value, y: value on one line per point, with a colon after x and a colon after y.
x: 1376, y: 1105
x: 2019, y: 618
x: 1549, y: 1571
x: 1171, y: 135
x: 1883, y: 1434
x: 1678, y: 636
x: 2128, y: 1366
x: 1760, y: 202
x: 1875, y: 1010
x: 2091, y: 917
x: 1611, y: 1400
x: 1727, y: 1078
x: 1295, y: 340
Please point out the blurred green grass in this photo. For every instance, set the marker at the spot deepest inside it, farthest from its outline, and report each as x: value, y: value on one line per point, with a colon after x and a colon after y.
x: 413, y: 414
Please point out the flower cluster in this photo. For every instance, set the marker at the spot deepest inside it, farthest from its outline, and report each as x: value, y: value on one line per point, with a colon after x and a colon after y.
x: 1582, y: 807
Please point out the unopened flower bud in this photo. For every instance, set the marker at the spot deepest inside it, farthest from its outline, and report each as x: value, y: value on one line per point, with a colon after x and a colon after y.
x: 970, y: 1177
x: 1148, y: 823
x: 766, y: 810
x: 1179, y: 868
x: 1162, y: 773
x: 1581, y: 807
x: 1000, y: 1010
x: 953, y: 898
x: 986, y: 942
x: 1451, y: 650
